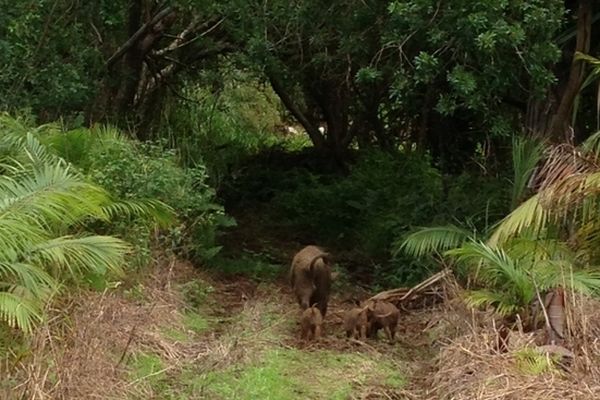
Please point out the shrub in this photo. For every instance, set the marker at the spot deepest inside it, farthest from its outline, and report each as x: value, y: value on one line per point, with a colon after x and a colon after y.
x: 45, y: 208
x: 382, y: 195
x: 222, y: 127
x: 131, y: 170
x: 382, y: 198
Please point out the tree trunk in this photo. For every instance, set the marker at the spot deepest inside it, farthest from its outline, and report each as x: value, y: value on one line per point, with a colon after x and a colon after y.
x: 336, y: 114
x: 311, y: 129
x: 555, y: 308
x: 126, y: 66
x: 561, y: 120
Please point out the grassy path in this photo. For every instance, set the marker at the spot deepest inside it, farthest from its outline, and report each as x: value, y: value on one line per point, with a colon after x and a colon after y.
x: 245, y: 334
x: 180, y: 333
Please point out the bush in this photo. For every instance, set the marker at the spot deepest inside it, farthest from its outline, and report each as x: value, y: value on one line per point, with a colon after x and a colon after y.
x: 222, y: 127
x: 382, y: 195
x: 45, y: 210
x: 362, y: 213
x: 132, y: 170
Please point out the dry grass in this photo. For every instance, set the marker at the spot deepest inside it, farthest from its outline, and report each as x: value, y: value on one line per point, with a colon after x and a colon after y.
x: 81, y: 352
x: 448, y: 351
x: 469, y: 366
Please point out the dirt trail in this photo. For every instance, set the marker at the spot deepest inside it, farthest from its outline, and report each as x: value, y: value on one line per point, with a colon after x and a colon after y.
x: 188, y: 334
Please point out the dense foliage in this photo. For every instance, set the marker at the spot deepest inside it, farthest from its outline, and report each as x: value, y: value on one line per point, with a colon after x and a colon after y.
x: 45, y: 207
x: 347, y: 124
x: 445, y: 76
x: 133, y: 171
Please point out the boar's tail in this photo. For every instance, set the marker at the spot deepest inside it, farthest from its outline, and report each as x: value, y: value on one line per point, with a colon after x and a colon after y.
x: 324, y: 256
x: 314, y: 309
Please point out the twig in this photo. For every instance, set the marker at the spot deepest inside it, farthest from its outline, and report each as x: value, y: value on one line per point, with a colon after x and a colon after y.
x: 149, y: 375
x: 542, y: 305
x: 360, y: 342
x: 131, y: 336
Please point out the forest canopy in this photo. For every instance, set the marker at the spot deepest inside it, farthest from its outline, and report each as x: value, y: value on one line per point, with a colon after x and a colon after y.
x: 445, y: 76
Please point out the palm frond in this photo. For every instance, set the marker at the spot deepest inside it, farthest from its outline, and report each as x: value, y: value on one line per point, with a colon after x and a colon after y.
x: 52, y: 193
x: 98, y: 254
x: 526, y: 153
x: 29, y: 276
x: 503, y: 303
x: 532, y: 249
x: 494, y: 268
x: 16, y: 234
x: 564, y: 161
x: 42, y: 197
x: 592, y: 145
x: 534, y: 362
x: 529, y: 215
x: 560, y: 273
x: 434, y: 239
x: 19, y: 312
x: 162, y: 213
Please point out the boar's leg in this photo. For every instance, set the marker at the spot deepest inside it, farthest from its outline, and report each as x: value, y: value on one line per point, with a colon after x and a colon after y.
x: 317, y: 332
x: 389, y: 332
x: 362, y: 334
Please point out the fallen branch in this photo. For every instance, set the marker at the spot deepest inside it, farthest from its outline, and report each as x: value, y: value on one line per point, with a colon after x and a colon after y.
x: 401, y: 294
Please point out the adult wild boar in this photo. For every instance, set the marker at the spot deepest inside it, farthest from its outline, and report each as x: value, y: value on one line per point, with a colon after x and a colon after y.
x: 310, y: 276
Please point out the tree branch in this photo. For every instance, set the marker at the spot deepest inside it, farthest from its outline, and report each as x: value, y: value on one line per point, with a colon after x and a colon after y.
x: 179, y: 40
x: 313, y: 132
x: 137, y: 35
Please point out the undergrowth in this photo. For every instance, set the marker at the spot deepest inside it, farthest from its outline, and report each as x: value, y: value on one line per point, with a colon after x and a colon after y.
x: 130, y: 170
x: 360, y: 214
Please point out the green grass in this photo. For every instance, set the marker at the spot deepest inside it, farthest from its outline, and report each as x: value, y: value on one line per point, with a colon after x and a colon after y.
x: 195, y: 322
x: 147, y: 370
x: 256, y: 365
x: 196, y: 293
x: 293, y: 374
x: 254, y: 267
